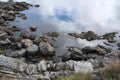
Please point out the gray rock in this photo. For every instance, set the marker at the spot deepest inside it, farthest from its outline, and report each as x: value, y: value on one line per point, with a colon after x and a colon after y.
x: 100, y: 50
x: 90, y: 35
x: 27, y: 42
x: 10, y: 62
x: 73, y: 53
x: 80, y: 66
x: 11, y: 17
x: 42, y: 66
x: 46, y: 49
x: 18, y: 53
x: 32, y: 49
x: 6, y: 41
x: 110, y: 37
x: 91, y: 55
x: 94, y: 62
x: 59, y: 66
x: 19, y: 45
x: 11, y: 12
x: 66, y: 56
x: 31, y: 69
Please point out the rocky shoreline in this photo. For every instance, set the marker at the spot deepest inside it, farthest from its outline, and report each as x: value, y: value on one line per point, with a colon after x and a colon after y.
x: 31, y: 57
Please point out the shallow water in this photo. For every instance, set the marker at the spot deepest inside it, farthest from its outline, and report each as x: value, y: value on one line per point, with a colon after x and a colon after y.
x: 65, y: 16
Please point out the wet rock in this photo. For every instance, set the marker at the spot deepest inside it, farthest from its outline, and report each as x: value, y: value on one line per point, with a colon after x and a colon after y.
x: 20, y: 6
x: 90, y: 35
x: 24, y: 34
x: 8, y: 7
x: 52, y: 34
x: 23, y: 16
x: 85, y: 35
x: 57, y: 59
x: 33, y: 28
x: 27, y: 42
x: 45, y: 39
x: 66, y: 56
x: 91, y: 55
x: 15, y: 39
x: 5, y: 15
x: 37, y: 40
x: 3, y: 35
x: 11, y: 17
x: 73, y: 53
x: 11, y: 12
x: 32, y: 36
x: 10, y: 33
x: 37, y: 5
x: 32, y: 49
x: 118, y: 44
x: 110, y: 37
x: 100, y: 50
x: 2, y: 20
x: 15, y: 28
x: 46, y: 49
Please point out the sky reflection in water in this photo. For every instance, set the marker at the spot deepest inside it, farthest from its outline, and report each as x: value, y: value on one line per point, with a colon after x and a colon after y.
x: 64, y: 16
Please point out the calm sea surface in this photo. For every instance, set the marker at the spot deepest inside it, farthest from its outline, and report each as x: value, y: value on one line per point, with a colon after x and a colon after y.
x: 65, y: 16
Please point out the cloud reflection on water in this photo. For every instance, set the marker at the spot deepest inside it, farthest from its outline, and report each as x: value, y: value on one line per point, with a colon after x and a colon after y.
x: 76, y: 15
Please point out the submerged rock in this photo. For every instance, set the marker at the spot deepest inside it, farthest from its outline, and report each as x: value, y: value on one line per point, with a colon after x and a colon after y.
x: 15, y: 28
x: 52, y: 34
x: 23, y: 16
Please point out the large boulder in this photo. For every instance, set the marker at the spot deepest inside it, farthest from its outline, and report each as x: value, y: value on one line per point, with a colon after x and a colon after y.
x: 46, y: 49
x: 32, y: 49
